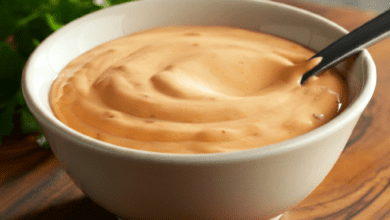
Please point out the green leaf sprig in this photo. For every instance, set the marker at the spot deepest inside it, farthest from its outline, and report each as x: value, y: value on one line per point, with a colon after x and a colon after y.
x: 24, y: 24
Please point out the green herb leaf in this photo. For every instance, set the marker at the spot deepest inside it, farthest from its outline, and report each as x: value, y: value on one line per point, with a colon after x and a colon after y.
x: 39, y: 28
x: 68, y: 10
x: 28, y: 122
x: 11, y: 66
x: 24, y: 24
x: 53, y: 23
x: 115, y: 2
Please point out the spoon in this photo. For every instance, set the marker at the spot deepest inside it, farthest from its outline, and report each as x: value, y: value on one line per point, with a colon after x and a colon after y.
x: 362, y: 37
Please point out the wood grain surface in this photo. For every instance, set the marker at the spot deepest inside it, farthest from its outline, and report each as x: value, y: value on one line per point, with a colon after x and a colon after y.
x: 33, y: 186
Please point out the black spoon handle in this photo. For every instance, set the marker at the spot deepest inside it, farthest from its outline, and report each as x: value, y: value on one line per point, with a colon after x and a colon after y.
x: 366, y: 35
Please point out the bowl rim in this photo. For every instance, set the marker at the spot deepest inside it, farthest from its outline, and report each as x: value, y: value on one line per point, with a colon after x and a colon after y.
x: 353, y: 111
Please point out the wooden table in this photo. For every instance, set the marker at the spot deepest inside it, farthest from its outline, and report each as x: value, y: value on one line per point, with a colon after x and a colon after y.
x: 33, y: 186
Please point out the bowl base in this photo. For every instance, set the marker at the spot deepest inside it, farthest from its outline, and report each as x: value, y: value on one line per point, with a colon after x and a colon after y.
x: 275, y: 218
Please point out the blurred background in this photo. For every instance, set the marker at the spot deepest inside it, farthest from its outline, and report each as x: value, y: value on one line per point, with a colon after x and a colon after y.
x: 371, y: 5
x: 24, y: 24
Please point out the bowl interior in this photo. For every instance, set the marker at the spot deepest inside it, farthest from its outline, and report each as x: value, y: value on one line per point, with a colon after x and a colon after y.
x: 92, y: 30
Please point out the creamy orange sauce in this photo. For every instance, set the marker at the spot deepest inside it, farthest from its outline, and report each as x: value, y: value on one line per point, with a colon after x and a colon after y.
x: 195, y: 90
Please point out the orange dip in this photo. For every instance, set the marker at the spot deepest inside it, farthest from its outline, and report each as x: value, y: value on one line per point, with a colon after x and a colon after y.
x: 195, y: 90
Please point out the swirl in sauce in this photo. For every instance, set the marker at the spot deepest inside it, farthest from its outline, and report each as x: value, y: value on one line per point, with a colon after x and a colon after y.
x: 195, y: 90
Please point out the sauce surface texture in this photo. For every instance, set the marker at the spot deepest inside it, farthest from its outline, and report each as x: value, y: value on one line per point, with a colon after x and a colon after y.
x: 196, y: 90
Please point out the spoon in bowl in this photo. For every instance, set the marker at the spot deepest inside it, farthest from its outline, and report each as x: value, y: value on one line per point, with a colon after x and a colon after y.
x: 362, y: 37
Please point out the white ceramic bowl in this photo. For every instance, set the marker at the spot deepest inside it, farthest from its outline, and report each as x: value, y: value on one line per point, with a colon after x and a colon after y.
x: 257, y: 184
